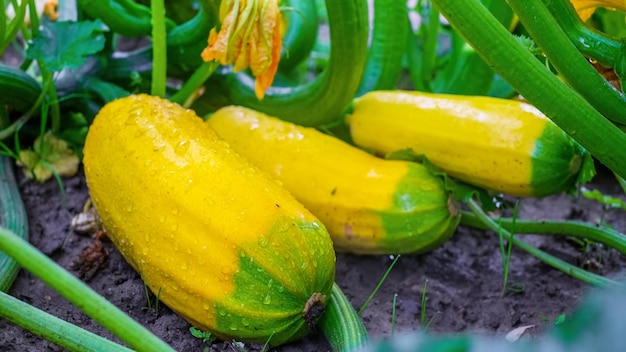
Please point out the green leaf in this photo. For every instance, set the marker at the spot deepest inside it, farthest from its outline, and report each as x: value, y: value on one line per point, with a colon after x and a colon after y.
x: 460, y: 191
x: 587, y: 169
x: 62, y: 45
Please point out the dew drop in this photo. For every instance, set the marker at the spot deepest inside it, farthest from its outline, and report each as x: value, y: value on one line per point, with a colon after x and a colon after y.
x: 144, y: 251
x: 233, y: 328
x: 267, y: 300
x: 162, y: 219
x: 245, y: 322
x: 263, y: 242
x: 222, y: 313
x: 129, y: 208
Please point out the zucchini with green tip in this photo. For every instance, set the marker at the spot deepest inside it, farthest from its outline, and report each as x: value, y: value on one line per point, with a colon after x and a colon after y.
x: 222, y: 243
x: 503, y: 145
x: 369, y: 205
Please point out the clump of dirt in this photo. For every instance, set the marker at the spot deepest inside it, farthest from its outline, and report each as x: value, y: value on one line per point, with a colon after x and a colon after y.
x: 462, y: 279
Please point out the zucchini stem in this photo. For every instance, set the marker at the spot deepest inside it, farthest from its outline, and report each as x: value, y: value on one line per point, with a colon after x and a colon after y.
x: 53, y: 329
x: 341, y: 324
x: 576, y: 229
x: 159, y: 51
x: 574, y: 271
x: 568, y: 61
x: 389, y: 41
x: 322, y: 100
x: 79, y: 294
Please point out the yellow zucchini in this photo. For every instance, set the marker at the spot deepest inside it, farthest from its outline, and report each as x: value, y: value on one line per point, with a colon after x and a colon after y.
x: 369, y: 205
x: 220, y: 241
x: 503, y: 145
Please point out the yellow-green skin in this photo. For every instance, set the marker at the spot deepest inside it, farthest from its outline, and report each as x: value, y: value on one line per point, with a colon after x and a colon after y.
x: 369, y: 205
x: 502, y: 145
x: 220, y: 241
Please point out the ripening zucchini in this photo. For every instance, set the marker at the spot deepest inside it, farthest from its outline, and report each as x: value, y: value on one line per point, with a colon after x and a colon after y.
x: 502, y: 145
x: 220, y: 241
x: 369, y: 205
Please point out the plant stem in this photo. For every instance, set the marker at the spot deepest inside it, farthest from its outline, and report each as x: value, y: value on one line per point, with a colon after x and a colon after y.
x: 606, y: 50
x: 197, y: 79
x: 159, y: 51
x: 324, y: 99
x: 11, y: 32
x: 576, y: 229
x: 389, y: 41
x: 341, y: 324
x: 568, y: 61
x: 574, y: 271
x: 11, y: 129
x: 53, y: 329
x: 536, y: 83
x: 79, y: 294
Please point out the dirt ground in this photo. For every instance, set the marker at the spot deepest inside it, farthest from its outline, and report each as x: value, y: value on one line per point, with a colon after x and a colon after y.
x: 464, y: 278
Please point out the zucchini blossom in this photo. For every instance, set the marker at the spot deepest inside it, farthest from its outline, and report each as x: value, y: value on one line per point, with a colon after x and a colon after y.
x: 249, y: 37
x: 585, y: 8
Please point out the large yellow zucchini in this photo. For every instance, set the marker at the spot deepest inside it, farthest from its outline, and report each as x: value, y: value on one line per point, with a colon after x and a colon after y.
x: 221, y: 242
x: 369, y: 205
x: 502, y: 145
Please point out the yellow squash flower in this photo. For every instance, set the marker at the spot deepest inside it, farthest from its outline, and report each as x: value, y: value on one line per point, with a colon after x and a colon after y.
x: 585, y: 8
x: 249, y: 37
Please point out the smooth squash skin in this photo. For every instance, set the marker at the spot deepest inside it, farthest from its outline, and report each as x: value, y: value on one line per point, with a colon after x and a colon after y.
x: 502, y: 145
x: 220, y: 241
x: 369, y: 205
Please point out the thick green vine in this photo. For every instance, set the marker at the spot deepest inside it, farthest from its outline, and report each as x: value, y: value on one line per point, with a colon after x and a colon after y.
x: 323, y: 99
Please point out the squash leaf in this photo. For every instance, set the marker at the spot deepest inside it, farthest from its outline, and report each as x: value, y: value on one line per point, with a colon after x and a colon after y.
x: 68, y: 44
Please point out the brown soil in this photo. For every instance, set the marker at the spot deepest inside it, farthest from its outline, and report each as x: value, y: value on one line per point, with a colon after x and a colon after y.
x: 464, y: 278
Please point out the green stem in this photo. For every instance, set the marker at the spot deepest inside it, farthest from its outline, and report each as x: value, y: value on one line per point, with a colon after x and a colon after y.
x: 341, y: 324
x: 12, y: 217
x: 389, y: 40
x: 14, y: 27
x: 53, y: 329
x: 10, y: 130
x: 536, y: 83
x: 574, y: 271
x: 606, y: 50
x: 431, y: 38
x: 467, y: 73
x: 159, y: 51
x: 79, y: 294
x: 53, y: 99
x: 568, y: 61
x: 3, y: 23
x: 197, y: 79
x: 301, y: 34
x: 323, y: 99
x: 577, y: 229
